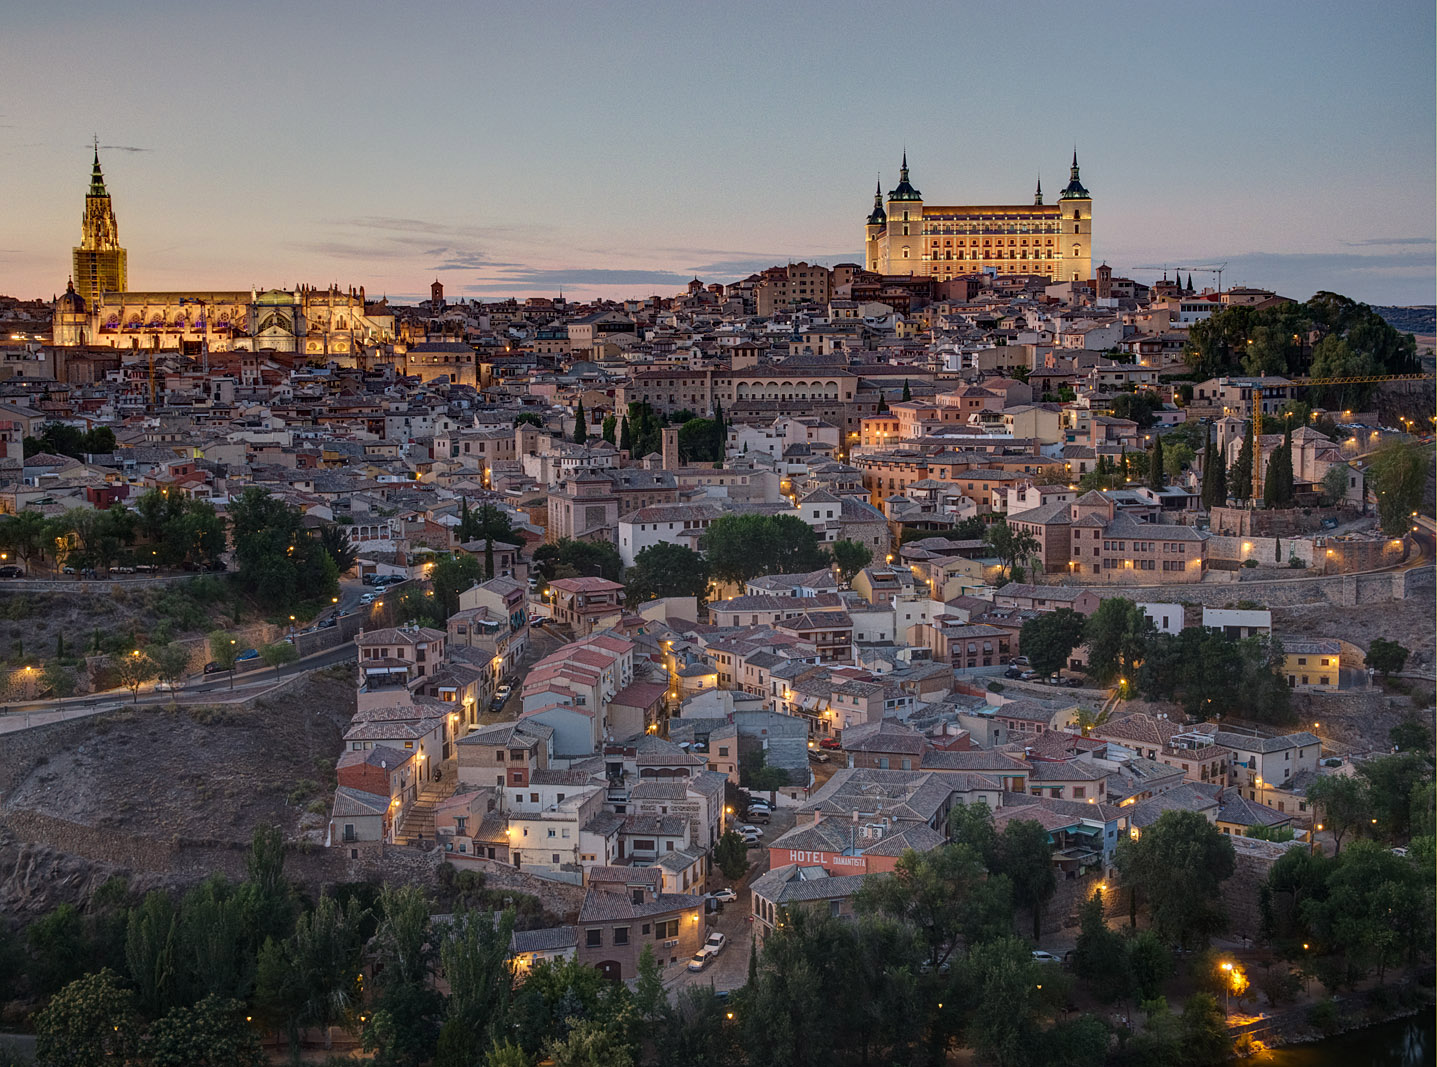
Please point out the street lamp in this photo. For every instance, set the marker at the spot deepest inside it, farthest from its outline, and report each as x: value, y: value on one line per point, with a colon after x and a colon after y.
x: 1226, y: 986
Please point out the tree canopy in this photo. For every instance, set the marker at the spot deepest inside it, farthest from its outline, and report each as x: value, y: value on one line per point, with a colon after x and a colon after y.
x: 666, y: 569
x: 1175, y: 869
x: 740, y: 547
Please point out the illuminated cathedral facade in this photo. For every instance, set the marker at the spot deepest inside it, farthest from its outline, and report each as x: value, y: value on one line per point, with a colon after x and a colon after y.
x: 99, y: 309
x: 905, y: 235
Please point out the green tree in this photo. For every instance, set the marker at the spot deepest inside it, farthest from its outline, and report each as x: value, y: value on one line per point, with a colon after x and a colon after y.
x: 666, y: 569
x: 453, y: 574
x: 57, y: 680
x: 528, y: 418
x: 1177, y: 457
x: 1024, y: 855
x: 224, y: 651
x: 279, y: 654
x: 569, y: 559
x: 1397, y: 473
x: 1100, y: 956
x: 651, y: 1000
x: 1175, y: 868
x: 581, y: 424
x: 133, y: 670
x: 170, y: 663
x: 972, y: 825
x: 59, y: 948
x: 740, y: 547
x: 334, y: 538
x: 1206, y: 1039
x: 1157, y: 466
x: 1012, y: 547
x: 731, y: 855
x: 1149, y: 964
x: 1386, y: 656
x: 474, y: 957
x: 1049, y: 639
x: 932, y: 892
x: 1214, y: 475
x: 1390, y: 781
x: 1239, y: 477
x: 1334, y: 484
x: 610, y: 426
x: 590, y: 1043
x: 213, y: 1033
x: 1411, y: 734
x: 324, y: 957
x: 907, y: 392
x: 89, y: 1023
x: 151, y: 946
x: 279, y: 564
x: 1340, y: 803
x: 1117, y: 635
x: 403, y: 1027
x: 24, y: 535
x: 626, y: 442
x: 850, y: 557
x: 1141, y: 408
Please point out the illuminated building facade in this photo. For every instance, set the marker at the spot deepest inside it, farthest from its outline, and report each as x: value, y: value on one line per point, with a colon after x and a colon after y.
x: 908, y: 236
x: 99, y: 309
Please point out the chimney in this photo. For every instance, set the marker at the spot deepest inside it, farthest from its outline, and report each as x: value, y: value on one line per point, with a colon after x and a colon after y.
x: 671, y: 448
x: 817, y: 817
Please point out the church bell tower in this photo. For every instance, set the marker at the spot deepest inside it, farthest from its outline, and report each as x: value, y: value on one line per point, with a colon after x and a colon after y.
x: 99, y: 261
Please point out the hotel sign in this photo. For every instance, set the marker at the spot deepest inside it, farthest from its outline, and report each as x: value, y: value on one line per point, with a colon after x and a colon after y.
x: 783, y: 856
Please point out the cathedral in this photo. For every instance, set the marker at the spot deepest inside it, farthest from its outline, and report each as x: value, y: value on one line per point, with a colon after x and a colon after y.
x: 908, y: 236
x: 98, y: 307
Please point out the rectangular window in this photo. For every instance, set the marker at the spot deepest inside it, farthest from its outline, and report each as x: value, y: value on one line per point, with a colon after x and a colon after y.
x: 594, y: 938
x: 621, y: 935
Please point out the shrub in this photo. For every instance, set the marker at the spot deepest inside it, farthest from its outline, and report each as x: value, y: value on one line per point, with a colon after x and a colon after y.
x: 1249, y: 563
x: 1324, y: 1016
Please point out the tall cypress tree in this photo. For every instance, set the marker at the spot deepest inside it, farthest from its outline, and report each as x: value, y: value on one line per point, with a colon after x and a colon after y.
x: 907, y: 392
x: 626, y: 442
x: 1240, y: 477
x: 1272, y: 484
x: 581, y: 426
x: 1157, y: 477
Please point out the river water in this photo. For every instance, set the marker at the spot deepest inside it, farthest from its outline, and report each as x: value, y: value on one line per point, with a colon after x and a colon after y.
x: 1404, y: 1043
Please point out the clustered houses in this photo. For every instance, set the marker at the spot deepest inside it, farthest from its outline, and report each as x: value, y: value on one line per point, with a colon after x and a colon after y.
x: 874, y: 407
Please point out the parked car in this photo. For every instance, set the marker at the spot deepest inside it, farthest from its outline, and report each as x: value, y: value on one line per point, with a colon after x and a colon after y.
x: 1021, y: 661
x: 1074, y: 683
x: 749, y: 830
x: 1028, y: 676
x: 211, y: 667
x: 500, y: 696
x: 830, y: 743
x: 759, y: 815
x: 701, y: 959
x: 1039, y: 956
x: 715, y: 941
x: 247, y: 654
x: 759, y: 805
x: 725, y: 896
x: 1013, y: 672
x: 12, y: 571
x: 818, y: 756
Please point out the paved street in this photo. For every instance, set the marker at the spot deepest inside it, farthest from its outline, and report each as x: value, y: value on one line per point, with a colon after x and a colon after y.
x: 730, y: 970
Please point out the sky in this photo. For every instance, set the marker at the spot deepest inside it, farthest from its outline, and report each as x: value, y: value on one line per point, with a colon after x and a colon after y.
x: 614, y: 149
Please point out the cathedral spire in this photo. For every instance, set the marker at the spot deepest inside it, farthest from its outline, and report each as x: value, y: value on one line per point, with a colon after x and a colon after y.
x: 1038, y: 196
x: 97, y: 177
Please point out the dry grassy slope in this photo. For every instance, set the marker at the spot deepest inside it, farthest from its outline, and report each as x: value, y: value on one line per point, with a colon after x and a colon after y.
x: 1408, y: 622
x: 196, y: 772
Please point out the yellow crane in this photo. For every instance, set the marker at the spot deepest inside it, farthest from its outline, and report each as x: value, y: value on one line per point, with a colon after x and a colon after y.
x: 1257, y: 412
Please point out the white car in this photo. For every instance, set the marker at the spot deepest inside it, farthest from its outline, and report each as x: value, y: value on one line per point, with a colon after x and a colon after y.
x: 725, y: 896
x: 701, y: 959
x: 715, y: 942
x: 1040, y: 956
x: 748, y: 830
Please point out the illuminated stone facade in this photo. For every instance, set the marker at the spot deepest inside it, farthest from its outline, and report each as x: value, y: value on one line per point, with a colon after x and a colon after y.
x: 98, y: 309
x: 911, y: 237
x: 99, y: 262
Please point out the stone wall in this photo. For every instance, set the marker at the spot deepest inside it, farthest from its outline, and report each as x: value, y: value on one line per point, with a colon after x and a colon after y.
x: 1348, y: 590
x: 1274, y: 522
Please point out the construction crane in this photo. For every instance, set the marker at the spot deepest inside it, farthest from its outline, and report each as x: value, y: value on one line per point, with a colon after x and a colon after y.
x: 1365, y: 379
x: 1201, y: 270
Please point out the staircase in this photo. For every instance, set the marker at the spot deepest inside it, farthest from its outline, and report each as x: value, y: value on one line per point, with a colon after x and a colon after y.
x: 418, y: 822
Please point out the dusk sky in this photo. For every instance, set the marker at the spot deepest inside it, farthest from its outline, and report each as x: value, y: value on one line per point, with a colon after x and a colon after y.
x: 617, y: 149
